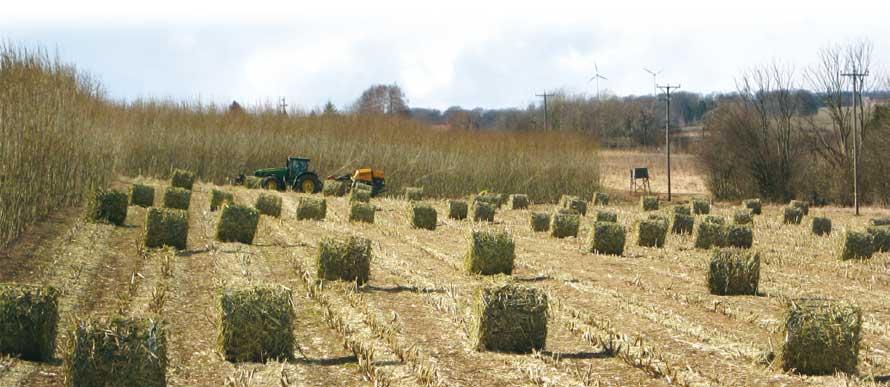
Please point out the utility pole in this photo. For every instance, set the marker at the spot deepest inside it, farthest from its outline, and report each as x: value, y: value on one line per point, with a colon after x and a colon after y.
x: 857, y: 132
x: 667, y: 130
x: 282, y: 106
x: 545, y: 95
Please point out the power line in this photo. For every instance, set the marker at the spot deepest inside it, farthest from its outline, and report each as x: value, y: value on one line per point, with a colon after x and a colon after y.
x: 857, y: 132
x: 545, y: 95
x: 667, y: 130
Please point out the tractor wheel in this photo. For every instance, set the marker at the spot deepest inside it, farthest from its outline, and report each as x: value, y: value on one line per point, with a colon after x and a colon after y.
x: 308, y: 184
x: 271, y: 183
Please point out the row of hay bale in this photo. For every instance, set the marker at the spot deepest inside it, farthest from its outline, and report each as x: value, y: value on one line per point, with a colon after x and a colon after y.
x: 863, y: 244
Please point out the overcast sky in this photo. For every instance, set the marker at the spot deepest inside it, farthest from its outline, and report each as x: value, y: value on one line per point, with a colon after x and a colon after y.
x: 444, y: 53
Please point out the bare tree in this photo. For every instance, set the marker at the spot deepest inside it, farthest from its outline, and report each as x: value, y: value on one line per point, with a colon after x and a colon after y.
x: 382, y: 99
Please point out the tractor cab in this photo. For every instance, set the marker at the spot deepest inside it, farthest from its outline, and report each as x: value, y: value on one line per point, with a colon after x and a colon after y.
x: 296, y: 166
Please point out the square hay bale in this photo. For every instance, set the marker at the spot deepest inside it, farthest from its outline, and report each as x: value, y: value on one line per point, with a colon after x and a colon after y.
x: 573, y: 203
x: 740, y: 236
x: 489, y: 253
x: 753, y: 205
x: 683, y: 224
x: 600, y: 199
x: 743, y: 217
x: 344, y: 260
x: 495, y: 199
x: 178, y: 198
x: 509, y: 318
x: 792, y: 215
x: 880, y: 221
x: 29, y: 318
x: 682, y: 210
x: 362, y: 212
x: 166, y: 227
x: 218, y: 198
x: 362, y: 186
x: 734, y: 272
x: 880, y: 237
x: 423, y: 216
x: 413, y: 193
x: 652, y: 233
x: 821, y: 226
x: 802, y: 205
x: 237, y: 223
x: 540, y: 221
x: 649, y: 203
x: 142, y: 195
x: 108, y: 206
x: 332, y: 187
x: 119, y: 352
x: 607, y: 238
x: 857, y: 245
x: 821, y: 337
x: 256, y: 324
x: 253, y: 182
x: 457, y: 209
x: 518, y: 201
x: 182, y: 179
x: 483, y: 211
x: 710, y: 234
x: 701, y: 207
x: 606, y: 216
x: 715, y: 219
x: 564, y: 225
x: 359, y: 196
x: 268, y: 204
x: 312, y: 209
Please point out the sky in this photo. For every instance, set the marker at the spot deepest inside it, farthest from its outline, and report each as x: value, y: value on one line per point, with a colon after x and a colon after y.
x: 489, y: 54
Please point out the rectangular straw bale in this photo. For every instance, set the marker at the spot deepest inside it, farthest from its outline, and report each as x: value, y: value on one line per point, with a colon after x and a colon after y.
x: 269, y: 204
x: 178, y: 198
x: 574, y: 203
x: 333, y: 187
x: 607, y: 238
x: 218, y: 198
x: 362, y: 186
x: 792, y: 215
x: 108, y: 206
x: 518, y: 201
x: 649, y: 203
x: 701, y: 207
x: 166, y: 227
x: 237, y: 223
x: 742, y: 217
x: 457, y: 209
x: 821, y: 225
x: 312, y: 208
x: 822, y: 337
x: 734, y: 272
x: 600, y: 199
x: 489, y: 253
x: 652, y: 233
x: 682, y: 210
x: 344, y: 259
x: 715, y: 219
x: 802, y: 205
x: 29, y: 318
x: 683, y: 224
x: 117, y: 352
x: 509, y: 318
x: 710, y: 234
x: 182, y: 179
x: 483, y: 211
x: 142, y: 195
x: 880, y: 221
x: 413, y: 193
x: 256, y: 324
x: 606, y: 216
x: 253, y: 182
x: 753, y: 205
x: 362, y: 212
x: 539, y: 221
x: 492, y: 198
x: 423, y: 216
x: 857, y: 245
x: 360, y: 196
x: 880, y: 237
x: 740, y: 236
x: 564, y: 225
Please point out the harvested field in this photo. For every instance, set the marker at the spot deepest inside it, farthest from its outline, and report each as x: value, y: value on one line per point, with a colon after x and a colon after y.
x: 643, y: 318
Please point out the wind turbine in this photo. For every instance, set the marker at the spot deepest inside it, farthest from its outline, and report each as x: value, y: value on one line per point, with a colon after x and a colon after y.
x: 654, y: 83
x: 597, y: 77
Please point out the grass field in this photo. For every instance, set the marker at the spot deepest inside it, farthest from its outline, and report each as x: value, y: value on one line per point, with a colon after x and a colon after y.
x: 686, y: 176
x: 644, y: 318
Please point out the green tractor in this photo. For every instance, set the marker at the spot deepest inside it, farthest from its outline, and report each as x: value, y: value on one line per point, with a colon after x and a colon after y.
x: 295, y: 174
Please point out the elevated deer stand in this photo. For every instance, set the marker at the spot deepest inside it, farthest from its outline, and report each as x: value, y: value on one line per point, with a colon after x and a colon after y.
x: 639, y: 181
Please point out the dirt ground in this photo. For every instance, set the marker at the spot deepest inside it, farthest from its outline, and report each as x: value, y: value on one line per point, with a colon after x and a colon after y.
x: 644, y: 318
